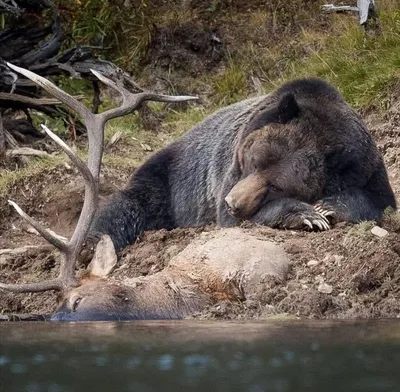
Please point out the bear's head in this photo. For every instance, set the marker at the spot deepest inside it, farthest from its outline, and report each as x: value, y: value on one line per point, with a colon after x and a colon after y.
x: 279, y: 158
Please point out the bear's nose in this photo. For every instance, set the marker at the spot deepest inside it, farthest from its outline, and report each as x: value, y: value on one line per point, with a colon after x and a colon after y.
x: 232, y: 208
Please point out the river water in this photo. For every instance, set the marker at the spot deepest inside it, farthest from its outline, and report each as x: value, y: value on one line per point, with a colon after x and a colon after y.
x: 218, y: 356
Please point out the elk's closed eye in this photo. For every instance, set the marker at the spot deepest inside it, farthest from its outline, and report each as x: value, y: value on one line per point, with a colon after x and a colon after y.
x: 76, y: 303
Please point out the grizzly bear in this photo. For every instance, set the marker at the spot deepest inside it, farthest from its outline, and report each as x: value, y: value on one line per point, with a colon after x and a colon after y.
x: 299, y: 157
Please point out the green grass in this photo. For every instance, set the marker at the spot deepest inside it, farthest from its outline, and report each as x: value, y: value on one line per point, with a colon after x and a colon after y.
x: 124, y: 29
x: 35, y: 167
x: 127, y: 125
x: 177, y: 122
x: 363, y: 67
x: 231, y: 85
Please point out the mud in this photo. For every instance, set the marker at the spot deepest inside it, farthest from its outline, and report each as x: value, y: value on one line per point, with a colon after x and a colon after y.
x: 188, y: 47
x: 347, y: 272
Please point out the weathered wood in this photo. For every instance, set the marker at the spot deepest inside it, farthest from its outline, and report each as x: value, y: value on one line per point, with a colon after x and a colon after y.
x: 27, y: 151
x: 24, y: 317
x: 338, y: 8
x: 28, y: 249
x: 2, y: 134
x: 28, y: 46
x: 366, y: 9
x: 18, y: 101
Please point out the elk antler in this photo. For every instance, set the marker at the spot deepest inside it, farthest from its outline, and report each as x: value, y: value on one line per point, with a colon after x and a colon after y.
x: 95, y: 127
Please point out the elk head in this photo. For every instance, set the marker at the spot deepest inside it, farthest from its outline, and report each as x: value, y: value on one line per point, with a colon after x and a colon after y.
x: 94, y: 123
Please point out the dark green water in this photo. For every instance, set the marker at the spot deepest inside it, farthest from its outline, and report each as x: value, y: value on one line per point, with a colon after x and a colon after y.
x: 274, y: 356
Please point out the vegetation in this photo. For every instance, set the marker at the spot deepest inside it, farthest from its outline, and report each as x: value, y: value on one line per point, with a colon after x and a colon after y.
x: 363, y: 67
x: 274, y: 42
x: 264, y: 46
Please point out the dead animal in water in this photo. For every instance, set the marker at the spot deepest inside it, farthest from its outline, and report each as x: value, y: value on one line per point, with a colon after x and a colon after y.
x: 227, y: 264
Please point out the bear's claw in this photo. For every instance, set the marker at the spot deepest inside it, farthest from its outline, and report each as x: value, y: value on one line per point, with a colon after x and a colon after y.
x: 322, y: 223
x: 323, y: 211
x: 308, y: 218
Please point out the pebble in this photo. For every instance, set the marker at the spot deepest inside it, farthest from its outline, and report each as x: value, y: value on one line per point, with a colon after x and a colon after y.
x: 379, y: 232
x: 312, y: 263
x: 325, y: 288
x: 338, y: 259
x: 328, y: 258
x: 67, y: 166
x: 319, y: 279
x: 31, y: 230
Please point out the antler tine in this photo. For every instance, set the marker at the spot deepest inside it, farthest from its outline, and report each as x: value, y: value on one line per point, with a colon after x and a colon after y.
x: 62, y: 246
x: 53, y: 90
x: 66, y: 277
x: 74, y: 158
x: 54, y: 284
x: 132, y: 101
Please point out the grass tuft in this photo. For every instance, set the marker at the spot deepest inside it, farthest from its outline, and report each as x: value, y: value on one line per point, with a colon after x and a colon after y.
x: 36, y: 165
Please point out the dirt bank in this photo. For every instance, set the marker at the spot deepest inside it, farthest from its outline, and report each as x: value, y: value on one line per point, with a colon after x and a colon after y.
x: 345, y: 272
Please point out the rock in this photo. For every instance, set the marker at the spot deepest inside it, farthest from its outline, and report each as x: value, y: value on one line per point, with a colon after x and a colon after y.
x: 325, y: 288
x: 328, y: 258
x: 67, y: 166
x: 145, y: 147
x: 379, y: 232
x: 338, y: 259
x: 29, y: 229
x: 313, y: 263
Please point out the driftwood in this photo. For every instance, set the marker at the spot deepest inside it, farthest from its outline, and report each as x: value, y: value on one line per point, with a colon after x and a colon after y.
x: 28, y: 249
x: 24, y: 317
x: 28, y: 46
x: 366, y: 10
x: 27, y: 151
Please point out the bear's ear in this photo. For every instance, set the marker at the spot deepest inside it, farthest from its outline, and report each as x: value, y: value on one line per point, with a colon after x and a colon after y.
x: 287, y: 109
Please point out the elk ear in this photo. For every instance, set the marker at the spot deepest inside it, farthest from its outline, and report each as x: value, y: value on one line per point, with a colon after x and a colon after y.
x: 104, y: 259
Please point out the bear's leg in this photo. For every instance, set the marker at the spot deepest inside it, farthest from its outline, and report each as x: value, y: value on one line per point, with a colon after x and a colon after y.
x: 354, y: 205
x: 362, y: 204
x: 123, y: 219
x: 287, y: 213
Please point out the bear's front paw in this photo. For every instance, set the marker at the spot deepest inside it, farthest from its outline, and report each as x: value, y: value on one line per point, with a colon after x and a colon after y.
x: 307, y: 220
x: 326, y: 210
